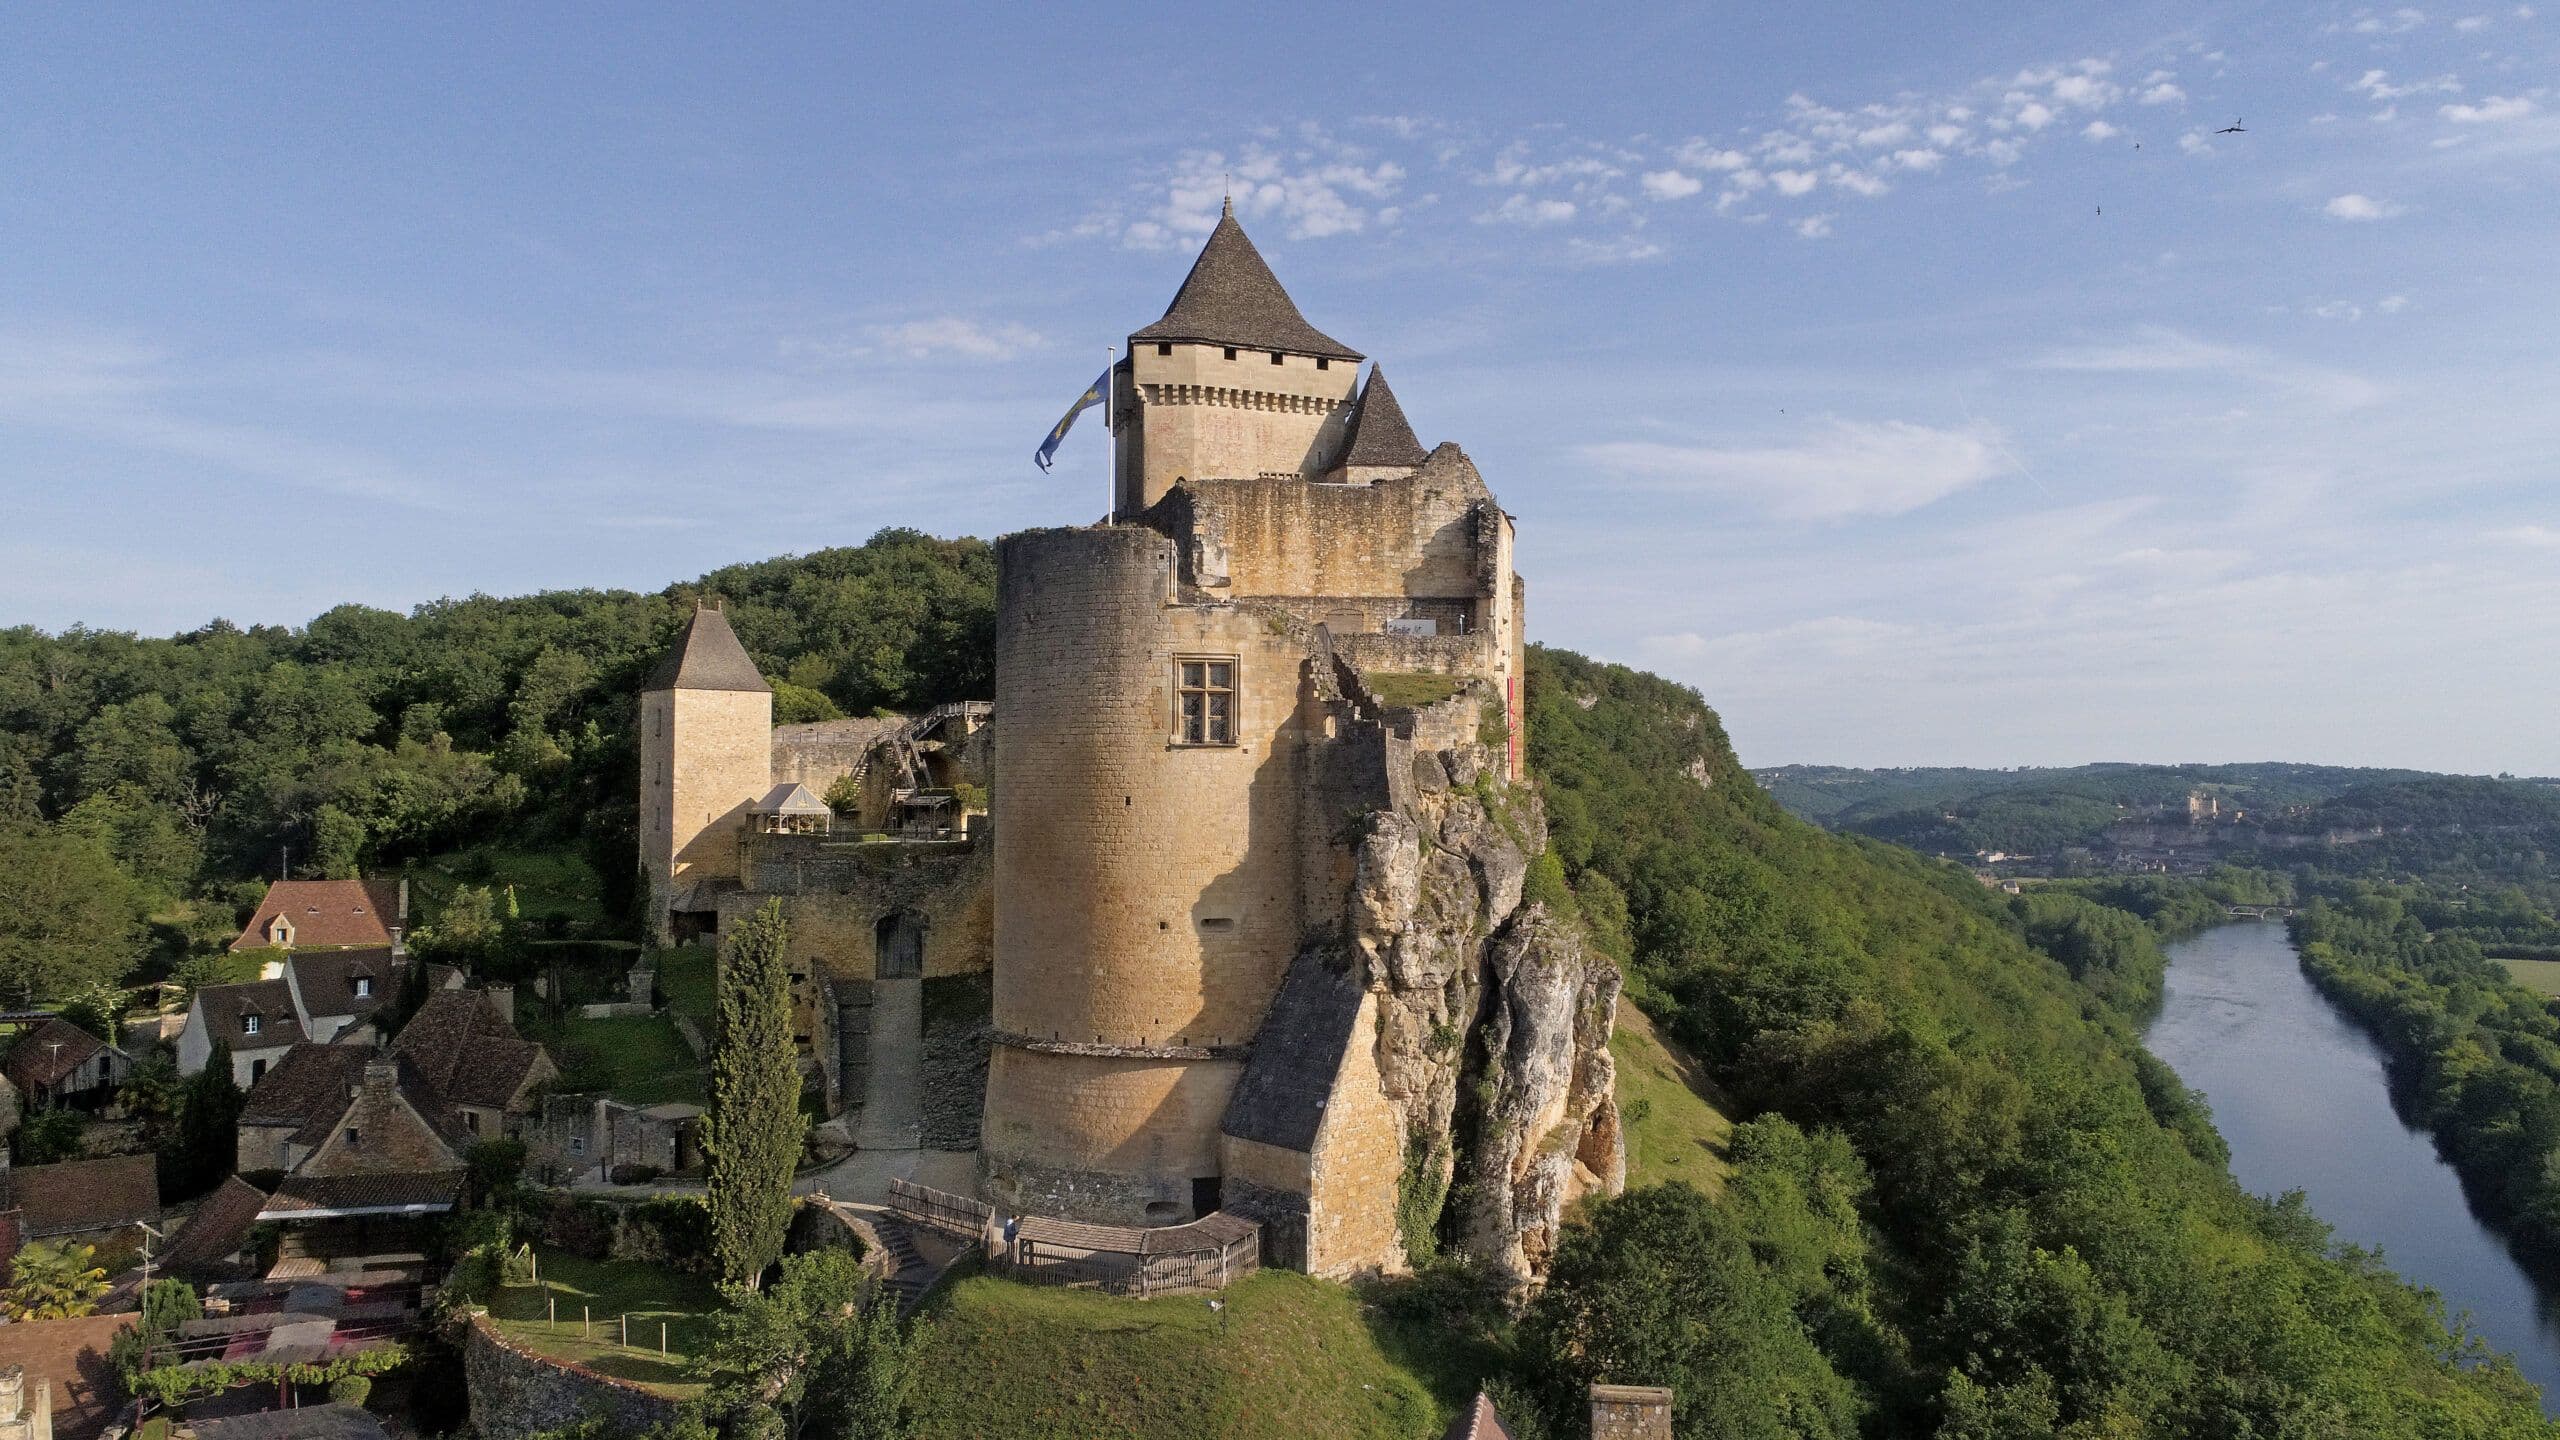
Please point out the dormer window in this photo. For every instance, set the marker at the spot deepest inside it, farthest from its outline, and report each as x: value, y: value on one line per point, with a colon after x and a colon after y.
x: 250, y: 1023
x: 364, y: 987
x: 280, y: 931
x: 355, y: 1138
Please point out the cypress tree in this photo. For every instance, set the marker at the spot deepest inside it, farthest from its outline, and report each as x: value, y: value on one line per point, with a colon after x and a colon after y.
x: 206, y: 1146
x: 754, y: 1129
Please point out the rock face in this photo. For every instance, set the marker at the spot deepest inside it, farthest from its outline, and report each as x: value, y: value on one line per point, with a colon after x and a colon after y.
x: 1493, y: 1018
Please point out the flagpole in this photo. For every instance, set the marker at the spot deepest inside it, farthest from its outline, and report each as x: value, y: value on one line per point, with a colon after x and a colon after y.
x: 1110, y: 438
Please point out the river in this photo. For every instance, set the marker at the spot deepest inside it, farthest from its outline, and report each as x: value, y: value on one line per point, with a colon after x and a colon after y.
x: 2301, y: 1095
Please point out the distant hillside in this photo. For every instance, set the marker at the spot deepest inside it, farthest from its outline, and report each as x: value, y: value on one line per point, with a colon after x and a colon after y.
x: 1985, y: 800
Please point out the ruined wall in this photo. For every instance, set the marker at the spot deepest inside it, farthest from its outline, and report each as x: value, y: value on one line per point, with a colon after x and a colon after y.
x: 1412, y: 535
x: 835, y: 893
x: 516, y: 1394
x: 1147, y: 891
x: 821, y: 752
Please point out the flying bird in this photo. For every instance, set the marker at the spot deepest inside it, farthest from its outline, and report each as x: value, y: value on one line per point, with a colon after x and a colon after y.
x: 2231, y: 129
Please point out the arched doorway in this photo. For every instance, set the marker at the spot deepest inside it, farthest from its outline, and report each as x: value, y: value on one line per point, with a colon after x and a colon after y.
x: 899, y: 946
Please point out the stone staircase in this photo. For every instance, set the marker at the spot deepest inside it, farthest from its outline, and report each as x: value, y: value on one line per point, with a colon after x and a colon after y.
x: 914, y: 1274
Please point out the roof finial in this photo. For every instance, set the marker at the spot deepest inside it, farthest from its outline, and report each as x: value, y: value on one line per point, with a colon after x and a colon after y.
x: 1227, y: 197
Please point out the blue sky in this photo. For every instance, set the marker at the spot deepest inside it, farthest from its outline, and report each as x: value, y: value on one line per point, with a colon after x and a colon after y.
x: 1924, y: 384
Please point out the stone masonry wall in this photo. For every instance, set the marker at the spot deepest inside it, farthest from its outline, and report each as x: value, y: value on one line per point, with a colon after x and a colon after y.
x: 515, y: 1394
x: 1146, y: 891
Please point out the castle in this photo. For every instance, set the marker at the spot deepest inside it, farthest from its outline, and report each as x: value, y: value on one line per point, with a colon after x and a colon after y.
x: 1247, y: 903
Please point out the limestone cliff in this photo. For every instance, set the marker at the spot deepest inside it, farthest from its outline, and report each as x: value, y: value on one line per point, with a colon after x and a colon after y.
x: 1493, y: 1017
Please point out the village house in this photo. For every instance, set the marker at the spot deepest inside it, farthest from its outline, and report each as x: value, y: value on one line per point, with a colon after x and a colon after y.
x: 321, y: 996
x: 58, y: 1063
x: 82, y: 1200
x: 327, y: 914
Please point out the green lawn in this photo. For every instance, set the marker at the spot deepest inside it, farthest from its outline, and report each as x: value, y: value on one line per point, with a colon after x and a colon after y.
x: 1290, y: 1357
x: 550, y: 884
x: 689, y: 984
x: 608, y: 1289
x: 1674, y: 1132
x: 640, y: 1058
x: 2540, y: 975
x: 1396, y: 687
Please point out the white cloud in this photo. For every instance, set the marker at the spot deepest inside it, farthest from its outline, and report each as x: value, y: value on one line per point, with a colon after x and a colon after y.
x: 1848, y: 468
x: 1919, y: 159
x: 2392, y: 304
x: 1699, y: 155
x: 1857, y: 182
x: 1526, y: 210
x: 1794, y: 182
x: 2099, y: 130
x: 2361, y: 207
x: 1814, y: 227
x: 2490, y: 111
x: 1623, y: 250
x: 2034, y: 115
x: 1671, y: 185
x: 2540, y: 537
x: 2165, y: 92
x: 951, y: 335
x: 2195, y: 143
x: 2469, y: 23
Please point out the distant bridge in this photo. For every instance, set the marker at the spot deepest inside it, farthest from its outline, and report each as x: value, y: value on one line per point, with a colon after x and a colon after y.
x: 2263, y: 912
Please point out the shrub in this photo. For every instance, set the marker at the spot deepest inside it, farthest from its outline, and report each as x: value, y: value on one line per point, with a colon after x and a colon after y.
x: 49, y: 1136
x: 350, y: 1389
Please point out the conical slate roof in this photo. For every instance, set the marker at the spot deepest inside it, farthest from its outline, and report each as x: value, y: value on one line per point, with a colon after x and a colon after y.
x: 1380, y: 435
x: 1232, y: 298
x: 707, y: 656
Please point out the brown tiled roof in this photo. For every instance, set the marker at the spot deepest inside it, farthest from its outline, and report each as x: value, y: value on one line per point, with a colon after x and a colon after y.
x: 301, y: 1196
x: 1232, y: 298
x: 71, y: 1356
x: 35, y: 1064
x: 707, y: 656
x: 327, y: 979
x: 466, y: 1050
x: 334, y: 1421
x: 1380, y: 435
x: 79, y: 1195
x: 219, y: 1228
x: 327, y: 913
x: 1478, y: 1422
x: 307, y: 1089
x: 223, y: 1005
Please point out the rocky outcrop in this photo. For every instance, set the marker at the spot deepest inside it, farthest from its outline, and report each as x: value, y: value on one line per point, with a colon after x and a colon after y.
x: 1493, y: 1017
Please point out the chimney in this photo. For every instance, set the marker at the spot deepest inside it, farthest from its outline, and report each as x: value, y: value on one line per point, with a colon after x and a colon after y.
x: 404, y: 901
x: 381, y: 1076
x: 503, y: 999
x: 1630, y: 1412
x: 399, y: 942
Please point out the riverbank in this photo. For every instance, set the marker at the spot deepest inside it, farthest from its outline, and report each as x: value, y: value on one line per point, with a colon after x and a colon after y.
x: 2476, y: 1056
x: 2301, y: 1092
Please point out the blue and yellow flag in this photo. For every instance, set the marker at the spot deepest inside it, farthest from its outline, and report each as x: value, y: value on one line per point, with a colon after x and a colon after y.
x: 1091, y: 397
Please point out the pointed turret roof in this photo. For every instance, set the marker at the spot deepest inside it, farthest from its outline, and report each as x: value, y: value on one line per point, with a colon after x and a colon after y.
x: 1380, y: 435
x: 707, y: 656
x: 1232, y: 298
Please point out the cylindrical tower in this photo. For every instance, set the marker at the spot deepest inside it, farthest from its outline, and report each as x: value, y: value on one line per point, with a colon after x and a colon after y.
x: 1145, y: 808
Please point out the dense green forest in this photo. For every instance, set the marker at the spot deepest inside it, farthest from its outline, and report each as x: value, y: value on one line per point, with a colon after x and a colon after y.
x: 2476, y: 1054
x: 1966, y: 1202
x: 1851, y: 799
x: 149, y: 786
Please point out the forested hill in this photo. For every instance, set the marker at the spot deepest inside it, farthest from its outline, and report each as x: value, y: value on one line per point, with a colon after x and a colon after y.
x: 1970, y: 1205
x: 2003, y: 805
x: 368, y: 740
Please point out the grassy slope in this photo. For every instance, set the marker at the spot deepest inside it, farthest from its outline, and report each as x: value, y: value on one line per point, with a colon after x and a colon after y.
x: 649, y: 1294
x: 1674, y: 1129
x: 1290, y: 1357
x: 649, y: 1062
x: 689, y: 985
